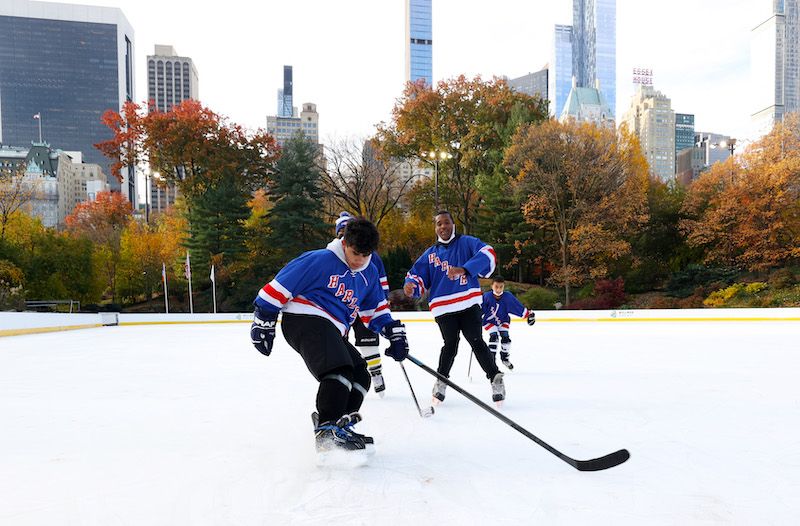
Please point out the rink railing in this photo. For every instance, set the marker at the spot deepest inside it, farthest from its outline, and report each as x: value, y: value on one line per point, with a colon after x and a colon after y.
x: 19, y: 323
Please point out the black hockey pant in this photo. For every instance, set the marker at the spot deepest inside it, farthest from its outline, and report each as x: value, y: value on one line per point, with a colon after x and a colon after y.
x: 467, y: 322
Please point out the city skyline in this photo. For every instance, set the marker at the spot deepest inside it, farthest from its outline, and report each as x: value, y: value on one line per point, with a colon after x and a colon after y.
x: 705, y: 72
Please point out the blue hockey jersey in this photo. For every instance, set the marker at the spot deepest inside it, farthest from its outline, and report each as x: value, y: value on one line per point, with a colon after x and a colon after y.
x: 320, y: 283
x: 497, y: 312
x: 378, y: 262
x: 452, y: 295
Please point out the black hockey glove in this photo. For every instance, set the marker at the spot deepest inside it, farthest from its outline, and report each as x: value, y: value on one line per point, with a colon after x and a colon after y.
x: 531, y: 318
x: 395, y: 332
x: 262, y: 331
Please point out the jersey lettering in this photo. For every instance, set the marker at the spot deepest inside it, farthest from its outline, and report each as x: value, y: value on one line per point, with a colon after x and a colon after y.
x: 333, y: 281
x: 340, y: 290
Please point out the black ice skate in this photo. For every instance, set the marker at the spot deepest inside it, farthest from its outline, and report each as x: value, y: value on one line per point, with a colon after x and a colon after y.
x: 438, y: 392
x: 332, y: 436
x: 505, y: 359
x: 346, y: 423
x: 498, y: 389
x: 378, y: 384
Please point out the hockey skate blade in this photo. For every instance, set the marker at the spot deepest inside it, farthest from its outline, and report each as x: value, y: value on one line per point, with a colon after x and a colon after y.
x: 426, y: 412
x: 342, y: 459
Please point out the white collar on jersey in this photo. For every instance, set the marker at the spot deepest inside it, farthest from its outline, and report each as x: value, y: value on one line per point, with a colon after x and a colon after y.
x: 337, y: 247
x: 452, y: 236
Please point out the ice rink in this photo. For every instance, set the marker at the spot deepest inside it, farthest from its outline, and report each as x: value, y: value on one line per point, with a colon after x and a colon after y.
x: 189, y: 425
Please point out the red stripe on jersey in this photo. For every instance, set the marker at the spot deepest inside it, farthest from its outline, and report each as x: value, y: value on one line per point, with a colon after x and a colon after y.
x: 270, y: 290
x: 436, y: 304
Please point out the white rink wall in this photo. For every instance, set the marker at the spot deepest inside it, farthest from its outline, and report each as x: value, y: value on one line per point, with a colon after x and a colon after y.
x: 17, y: 323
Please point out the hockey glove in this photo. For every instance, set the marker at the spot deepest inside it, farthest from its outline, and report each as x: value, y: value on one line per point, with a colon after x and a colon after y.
x: 531, y: 318
x: 262, y: 332
x: 395, y: 332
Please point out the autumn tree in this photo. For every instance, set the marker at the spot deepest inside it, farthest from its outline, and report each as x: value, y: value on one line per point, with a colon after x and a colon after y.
x: 102, y: 222
x: 745, y: 212
x: 15, y: 192
x: 587, y: 186
x: 464, y: 118
x: 358, y: 179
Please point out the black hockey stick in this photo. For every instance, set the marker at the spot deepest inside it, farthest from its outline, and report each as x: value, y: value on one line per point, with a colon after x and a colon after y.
x: 595, y: 464
x: 428, y: 410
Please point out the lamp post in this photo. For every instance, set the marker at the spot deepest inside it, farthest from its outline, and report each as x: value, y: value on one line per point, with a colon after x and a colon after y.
x: 148, y: 186
x: 436, y: 157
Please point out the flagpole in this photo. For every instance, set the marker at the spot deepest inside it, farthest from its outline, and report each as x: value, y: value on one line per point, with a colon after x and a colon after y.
x: 40, y: 127
x: 189, y: 277
x: 214, y: 288
x: 166, y: 294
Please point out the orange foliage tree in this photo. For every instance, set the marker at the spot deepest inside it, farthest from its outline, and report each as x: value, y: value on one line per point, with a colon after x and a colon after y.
x: 745, y: 212
x: 102, y: 221
x: 465, y: 118
x: 585, y: 185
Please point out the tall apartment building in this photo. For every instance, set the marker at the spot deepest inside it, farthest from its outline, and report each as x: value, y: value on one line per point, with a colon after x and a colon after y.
x: 171, y: 78
x: 652, y: 119
x: 775, y: 66
x: 284, y: 128
x: 60, y: 181
x: 592, y: 55
x: 419, y: 40
x: 66, y: 64
x: 285, y: 94
x: 533, y: 84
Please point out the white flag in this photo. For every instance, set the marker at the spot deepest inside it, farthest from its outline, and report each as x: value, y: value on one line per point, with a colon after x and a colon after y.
x: 212, y: 273
x: 187, y: 267
x: 37, y: 116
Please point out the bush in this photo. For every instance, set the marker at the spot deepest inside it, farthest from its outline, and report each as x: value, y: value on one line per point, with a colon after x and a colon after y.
x: 685, y: 283
x: 608, y: 294
x: 539, y: 298
x: 781, y: 279
x: 738, y: 291
x: 12, y: 296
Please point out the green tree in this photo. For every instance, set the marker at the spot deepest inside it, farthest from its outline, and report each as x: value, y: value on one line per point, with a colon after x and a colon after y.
x: 467, y: 119
x: 296, y: 219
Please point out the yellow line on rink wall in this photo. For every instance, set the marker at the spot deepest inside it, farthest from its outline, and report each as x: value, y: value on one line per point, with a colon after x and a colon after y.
x: 184, y: 322
x: 41, y: 330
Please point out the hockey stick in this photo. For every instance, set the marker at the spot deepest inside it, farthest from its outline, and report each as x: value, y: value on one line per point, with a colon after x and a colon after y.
x: 469, y: 367
x: 595, y: 464
x: 428, y: 410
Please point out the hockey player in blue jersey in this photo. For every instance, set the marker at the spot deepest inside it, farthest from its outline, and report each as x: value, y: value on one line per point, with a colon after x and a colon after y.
x: 449, y: 271
x: 367, y: 341
x: 498, y: 305
x: 320, y: 294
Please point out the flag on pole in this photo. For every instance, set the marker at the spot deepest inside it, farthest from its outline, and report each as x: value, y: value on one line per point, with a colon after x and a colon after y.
x: 212, y: 274
x: 37, y: 116
x: 187, y: 267
x: 164, y: 272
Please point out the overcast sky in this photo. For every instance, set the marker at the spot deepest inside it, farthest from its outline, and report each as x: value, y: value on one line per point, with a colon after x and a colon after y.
x: 348, y: 55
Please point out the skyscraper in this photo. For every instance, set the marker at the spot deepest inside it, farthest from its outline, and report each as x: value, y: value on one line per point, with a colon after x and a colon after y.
x: 652, y: 119
x: 285, y: 94
x: 593, y: 52
x: 419, y: 40
x: 533, y: 84
x: 775, y: 66
x: 171, y: 79
x: 684, y: 131
x: 560, y: 78
x: 67, y: 64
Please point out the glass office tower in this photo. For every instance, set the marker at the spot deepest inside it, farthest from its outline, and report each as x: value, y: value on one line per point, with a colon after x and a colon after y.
x: 419, y: 40
x: 560, y: 77
x: 68, y: 64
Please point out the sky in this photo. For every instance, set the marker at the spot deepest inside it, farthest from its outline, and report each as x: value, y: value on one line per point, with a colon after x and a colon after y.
x: 348, y: 56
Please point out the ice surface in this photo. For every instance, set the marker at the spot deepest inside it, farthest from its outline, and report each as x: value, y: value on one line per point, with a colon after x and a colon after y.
x: 188, y: 424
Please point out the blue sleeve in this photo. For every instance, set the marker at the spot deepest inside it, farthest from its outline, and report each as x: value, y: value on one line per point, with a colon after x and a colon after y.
x: 290, y: 281
x: 483, y: 258
x: 378, y: 262
x: 420, y: 275
x: 515, y: 307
